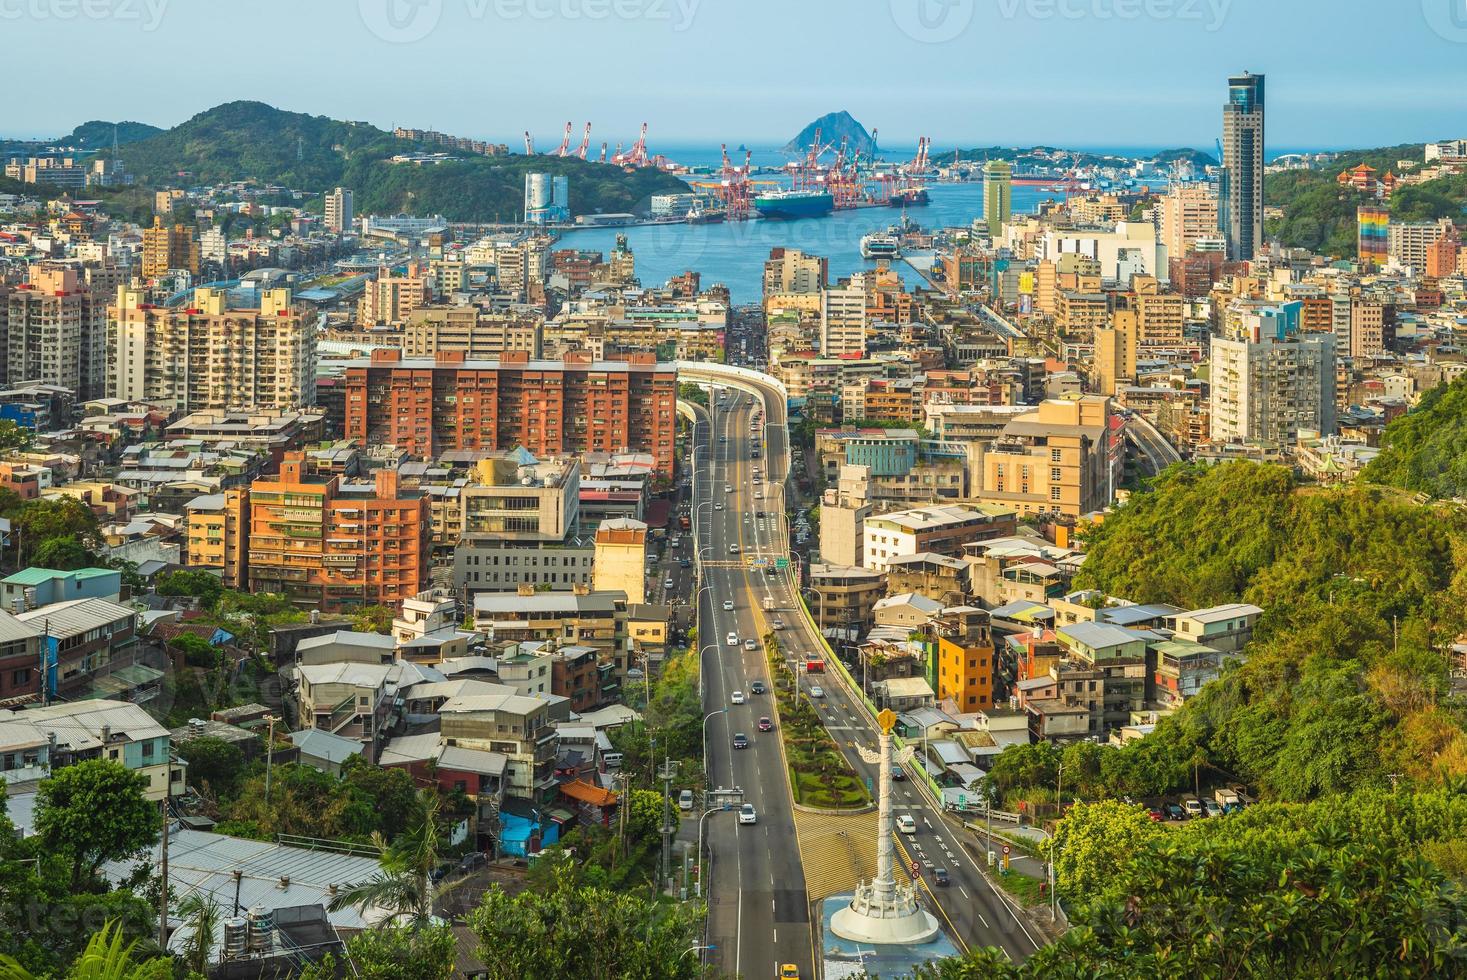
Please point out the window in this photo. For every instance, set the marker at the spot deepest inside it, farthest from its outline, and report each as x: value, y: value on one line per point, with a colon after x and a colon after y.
x: 1054, y: 493
x: 1054, y: 455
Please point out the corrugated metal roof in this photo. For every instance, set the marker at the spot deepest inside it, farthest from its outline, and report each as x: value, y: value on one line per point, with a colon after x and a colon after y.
x: 62, y: 619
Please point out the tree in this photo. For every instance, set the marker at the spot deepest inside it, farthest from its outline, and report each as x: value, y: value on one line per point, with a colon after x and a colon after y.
x: 107, y: 956
x: 93, y: 812
x: 402, y: 952
x: 213, y: 762
x: 374, y: 619
x: 65, y: 554
x: 404, y: 886
x: 585, y: 931
x: 39, y: 521
x: 201, y: 915
x: 13, y: 436
x: 203, y: 586
x: 197, y: 651
x: 1092, y: 840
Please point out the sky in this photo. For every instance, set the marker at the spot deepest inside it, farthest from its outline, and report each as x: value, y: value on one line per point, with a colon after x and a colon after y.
x: 1077, y: 73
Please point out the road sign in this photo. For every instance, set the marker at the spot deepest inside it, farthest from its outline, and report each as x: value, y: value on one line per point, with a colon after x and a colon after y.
x: 917, y: 868
x: 781, y: 563
x: 1005, y: 848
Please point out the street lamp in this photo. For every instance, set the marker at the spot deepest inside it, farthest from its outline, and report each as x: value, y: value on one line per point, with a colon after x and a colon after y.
x: 700, y: 946
x: 707, y: 812
x: 707, y: 776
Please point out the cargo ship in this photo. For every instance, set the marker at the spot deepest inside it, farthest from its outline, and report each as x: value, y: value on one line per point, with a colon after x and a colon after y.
x: 908, y: 197
x: 699, y: 215
x: 788, y: 205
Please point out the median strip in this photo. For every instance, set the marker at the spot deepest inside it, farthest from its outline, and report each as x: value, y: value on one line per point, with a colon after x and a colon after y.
x: 820, y: 777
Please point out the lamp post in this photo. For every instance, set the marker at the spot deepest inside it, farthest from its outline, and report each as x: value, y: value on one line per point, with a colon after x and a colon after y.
x: 708, y: 776
x: 707, y: 812
x: 691, y: 949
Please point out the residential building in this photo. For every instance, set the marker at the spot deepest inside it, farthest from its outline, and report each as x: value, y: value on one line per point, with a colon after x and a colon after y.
x: 1226, y: 628
x: 46, y: 739
x: 938, y: 577
x: 335, y: 545
x: 942, y: 529
x: 81, y: 637
x: 966, y: 664
x: 515, y: 726
x: 20, y: 659
x: 1188, y: 213
x: 1409, y: 242
x: 389, y: 298
x: 843, y: 513
x: 789, y: 271
x: 168, y: 248
x: 843, y: 321
x: 621, y: 559
x: 209, y: 356
x: 477, y: 334
x: 1273, y: 382
x: 218, y: 535
x: 1061, y: 458
x: 846, y: 597
x: 549, y: 407
x: 1240, y: 204
x: 339, y: 214
x: 34, y: 587
x: 349, y: 699
x: 580, y: 617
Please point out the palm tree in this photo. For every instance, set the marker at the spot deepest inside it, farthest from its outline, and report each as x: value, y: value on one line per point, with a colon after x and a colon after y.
x: 404, y: 888
x: 201, y: 913
x: 106, y: 957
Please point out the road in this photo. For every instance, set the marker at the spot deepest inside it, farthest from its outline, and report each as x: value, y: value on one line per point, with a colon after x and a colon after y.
x: 969, y: 907
x: 1159, y: 453
x: 758, y: 915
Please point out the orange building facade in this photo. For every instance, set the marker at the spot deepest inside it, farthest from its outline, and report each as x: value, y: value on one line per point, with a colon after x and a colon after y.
x: 337, y: 546
x: 576, y: 405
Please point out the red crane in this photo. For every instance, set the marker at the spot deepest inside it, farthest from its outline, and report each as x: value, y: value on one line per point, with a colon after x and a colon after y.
x: 637, y: 155
x: 585, y: 143
x: 565, y: 143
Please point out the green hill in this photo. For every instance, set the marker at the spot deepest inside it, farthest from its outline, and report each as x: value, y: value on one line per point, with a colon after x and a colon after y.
x: 97, y: 134
x: 1426, y: 450
x: 254, y: 141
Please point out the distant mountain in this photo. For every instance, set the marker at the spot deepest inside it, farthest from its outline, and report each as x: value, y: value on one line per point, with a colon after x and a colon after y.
x: 833, y: 127
x: 97, y: 135
x: 1046, y: 156
x: 254, y: 141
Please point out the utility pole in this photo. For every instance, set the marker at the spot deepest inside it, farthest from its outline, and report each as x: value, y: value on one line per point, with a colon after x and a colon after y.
x: 269, y: 755
x: 669, y: 770
x: 163, y: 893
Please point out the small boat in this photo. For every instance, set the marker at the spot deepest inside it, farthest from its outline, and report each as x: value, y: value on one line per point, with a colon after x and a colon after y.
x: 880, y: 245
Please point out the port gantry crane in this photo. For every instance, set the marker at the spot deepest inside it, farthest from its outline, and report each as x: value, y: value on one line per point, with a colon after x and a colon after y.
x: 565, y: 143
x: 585, y: 143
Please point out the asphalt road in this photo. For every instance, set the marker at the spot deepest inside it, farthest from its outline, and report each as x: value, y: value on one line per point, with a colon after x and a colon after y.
x: 971, y: 909
x: 758, y: 909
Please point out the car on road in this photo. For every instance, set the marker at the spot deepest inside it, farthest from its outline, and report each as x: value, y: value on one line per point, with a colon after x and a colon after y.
x: 747, y: 814
x: 750, y: 645
x: 757, y: 687
x: 765, y: 725
x: 740, y: 740
x: 898, y: 774
x: 667, y: 583
x: 1212, y: 808
x: 817, y: 691
x: 685, y: 800
x: 776, y: 624
x: 906, y: 824
x: 685, y: 563
x: 788, y: 971
x: 737, y: 697
x: 733, y: 639
x: 718, y: 505
x: 939, y: 877
x: 722, y: 440
x: 728, y: 605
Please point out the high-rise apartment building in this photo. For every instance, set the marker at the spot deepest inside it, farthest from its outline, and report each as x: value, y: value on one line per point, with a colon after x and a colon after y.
x: 843, y: 320
x: 339, y: 213
x: 1240, y: 204
x: 166, y: 248
x: 1272, y: 381
x: 790, y: 271
x: 1188, y: 213
x: 576, y: 405
x: 389, y: 298
x: 998, y: 195
x: 217, y: 535
x: 1408, y: 242
x: 471, y: 330
x: 1062, y: 457
x: 1115, y: 353
x: 334, y: 545
x: 1373, y: 234
x: 55, y: 327
x: 211, y: 356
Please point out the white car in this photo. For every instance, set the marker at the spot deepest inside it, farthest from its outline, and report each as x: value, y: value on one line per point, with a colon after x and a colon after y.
x: 733, y: 639
x: 777, y: 625
x: 737, y: 697
x: 728, y: 488
x: 667, y: 583
x: 906, y: 824
x: 750, y: 645
x: 728, y: 605
x: 817, y: 691
x: 747, y: 814
x: 718, y: 506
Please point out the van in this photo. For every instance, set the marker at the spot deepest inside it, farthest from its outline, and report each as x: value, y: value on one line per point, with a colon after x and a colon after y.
x: 612, y: 760
x: 685, y: 800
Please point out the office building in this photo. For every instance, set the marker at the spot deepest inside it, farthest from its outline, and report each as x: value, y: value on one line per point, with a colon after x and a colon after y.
x: 1240, y: 205
x: 998, y: 195
x: 1273, y: 381
x: 166, y: 248
x: 575, y: 405
x: 339, y: 215
x: 209, y: 356
x: 335, y: 545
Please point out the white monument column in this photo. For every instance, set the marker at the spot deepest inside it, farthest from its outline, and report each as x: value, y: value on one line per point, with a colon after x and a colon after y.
x: 884, y: 911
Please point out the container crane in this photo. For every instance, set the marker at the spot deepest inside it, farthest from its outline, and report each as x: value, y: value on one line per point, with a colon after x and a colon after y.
x: 565, y: 142
x: 585, y: 143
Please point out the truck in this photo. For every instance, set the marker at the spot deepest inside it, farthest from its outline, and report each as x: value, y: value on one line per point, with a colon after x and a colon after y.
x: 769, y: 603
x: 1228, y: 800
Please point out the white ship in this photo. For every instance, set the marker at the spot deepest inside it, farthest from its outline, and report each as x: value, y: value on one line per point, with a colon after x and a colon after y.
x: 880, y: 245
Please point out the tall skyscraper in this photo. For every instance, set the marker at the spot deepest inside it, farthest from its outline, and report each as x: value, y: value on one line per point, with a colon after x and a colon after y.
x: 339, y: 216
x: 998, y: 194
x: 1240, y: 211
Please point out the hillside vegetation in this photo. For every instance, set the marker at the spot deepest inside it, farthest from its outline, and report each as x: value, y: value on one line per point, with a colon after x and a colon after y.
x: 253, y: 141
x: 1363, y: 590
x: 1426, y: 450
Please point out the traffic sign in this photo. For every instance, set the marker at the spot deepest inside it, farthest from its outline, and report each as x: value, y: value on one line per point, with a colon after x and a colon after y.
x: 1005, y: 848
x: 781, y: 563
x: 917, y: 869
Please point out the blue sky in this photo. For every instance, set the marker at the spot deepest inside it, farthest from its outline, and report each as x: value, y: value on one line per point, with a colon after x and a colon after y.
x: 966, y: 72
